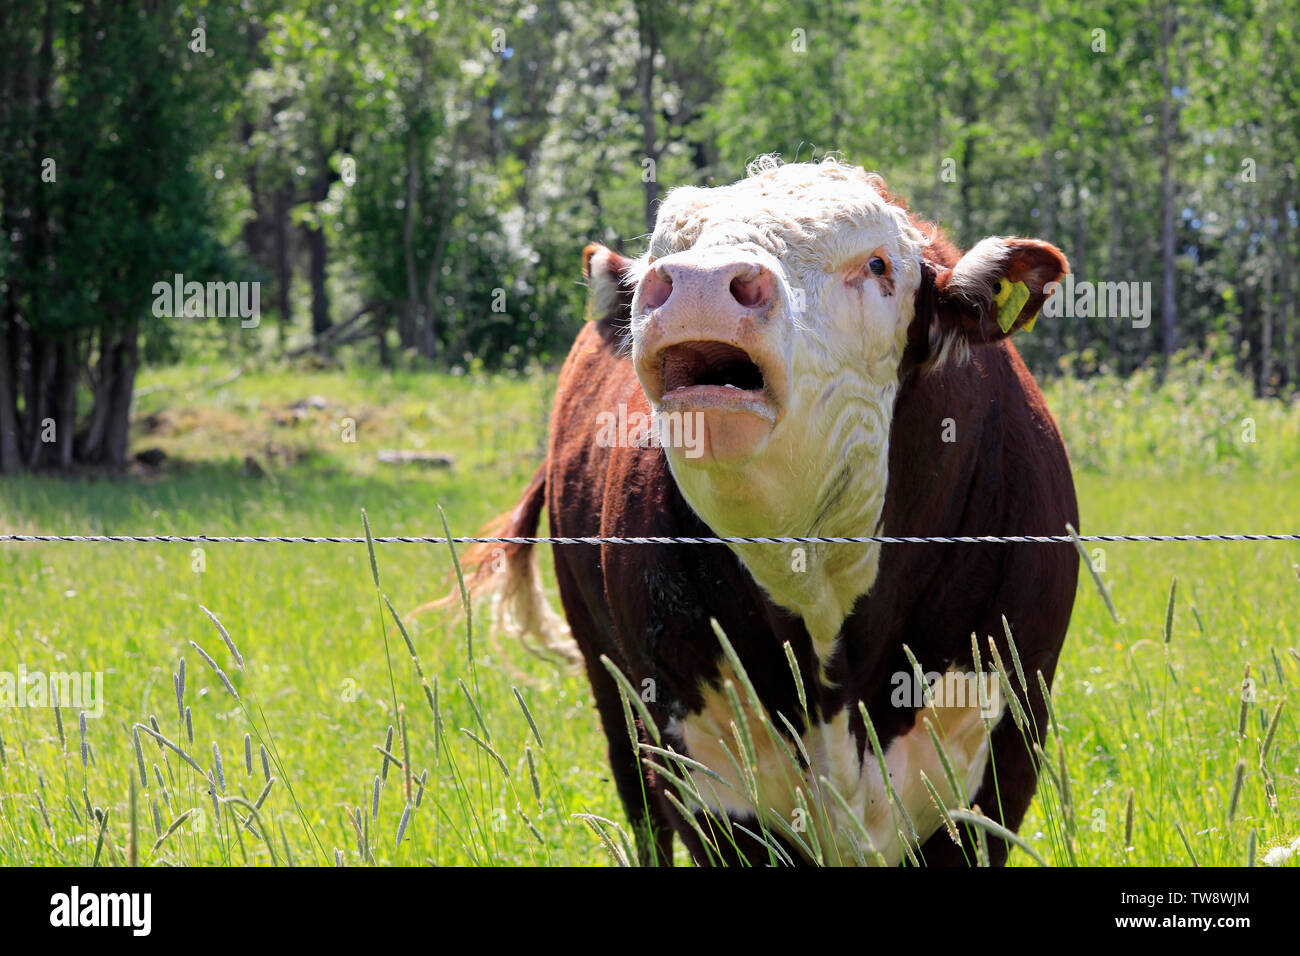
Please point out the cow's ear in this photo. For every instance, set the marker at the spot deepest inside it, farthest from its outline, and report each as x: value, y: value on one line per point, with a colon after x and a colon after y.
x: 994, y: 290
x: 610, y: 285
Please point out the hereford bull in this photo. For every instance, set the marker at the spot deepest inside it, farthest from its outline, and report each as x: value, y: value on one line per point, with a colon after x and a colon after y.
x: 840, y: 371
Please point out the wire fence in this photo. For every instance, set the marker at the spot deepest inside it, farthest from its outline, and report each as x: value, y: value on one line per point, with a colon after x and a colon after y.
x: 811, y: 539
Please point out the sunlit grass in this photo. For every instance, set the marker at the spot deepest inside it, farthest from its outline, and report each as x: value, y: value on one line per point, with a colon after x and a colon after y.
x: 315, y: 689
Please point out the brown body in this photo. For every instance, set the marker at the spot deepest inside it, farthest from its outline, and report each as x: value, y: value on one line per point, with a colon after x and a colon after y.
x: 647, y: 607
x: 972, y: 451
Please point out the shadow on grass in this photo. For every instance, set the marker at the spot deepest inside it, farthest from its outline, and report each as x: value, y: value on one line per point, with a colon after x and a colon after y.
x: 313, y: 497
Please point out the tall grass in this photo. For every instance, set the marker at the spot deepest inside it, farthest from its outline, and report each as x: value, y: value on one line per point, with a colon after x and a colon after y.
x: 496, y: 757
x: 1196, y: 416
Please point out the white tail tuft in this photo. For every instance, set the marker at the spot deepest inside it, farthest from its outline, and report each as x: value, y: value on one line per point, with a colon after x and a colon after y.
x: 509, y: 573
x: 520, y: 608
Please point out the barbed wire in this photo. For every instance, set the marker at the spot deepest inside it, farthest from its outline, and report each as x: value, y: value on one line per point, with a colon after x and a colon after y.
x: 810, y: 539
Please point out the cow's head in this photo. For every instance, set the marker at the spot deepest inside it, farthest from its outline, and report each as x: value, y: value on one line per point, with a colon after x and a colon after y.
x: 783, y: 311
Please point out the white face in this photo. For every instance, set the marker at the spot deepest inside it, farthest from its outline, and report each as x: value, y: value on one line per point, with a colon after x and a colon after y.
x: 776, y: 309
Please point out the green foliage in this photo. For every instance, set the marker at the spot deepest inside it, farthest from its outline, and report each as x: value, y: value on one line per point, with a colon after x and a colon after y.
x: 486, y: 144
x: 1200, y: 417
x: 128, y: 202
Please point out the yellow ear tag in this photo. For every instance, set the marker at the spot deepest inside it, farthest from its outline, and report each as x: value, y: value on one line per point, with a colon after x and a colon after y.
x: 1004, y: 290
x: 1011, y: 298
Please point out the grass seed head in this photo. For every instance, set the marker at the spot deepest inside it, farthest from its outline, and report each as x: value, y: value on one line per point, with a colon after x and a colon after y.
x: 401, y: 825
x: 221, y: 770
x: 1238, y: 777
x: 58, y: 719
x: 139, y: 757
x: 225, y: 637
x: 221, y: 675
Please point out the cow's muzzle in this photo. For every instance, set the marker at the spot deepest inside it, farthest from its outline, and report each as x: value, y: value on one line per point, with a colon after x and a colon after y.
x: 703, y: 344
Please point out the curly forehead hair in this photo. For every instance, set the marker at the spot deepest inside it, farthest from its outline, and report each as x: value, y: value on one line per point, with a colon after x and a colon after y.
x: 782, y: 202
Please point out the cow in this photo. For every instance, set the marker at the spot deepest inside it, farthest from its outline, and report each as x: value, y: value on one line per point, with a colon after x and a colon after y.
x: 833, y: 367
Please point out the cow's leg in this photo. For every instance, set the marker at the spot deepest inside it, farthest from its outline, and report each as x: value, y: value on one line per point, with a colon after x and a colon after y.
x: 650, y: 826
x: 1004, y: 802
x: 910, y: 759
x: 636, y: 788
x: 1008, y: 783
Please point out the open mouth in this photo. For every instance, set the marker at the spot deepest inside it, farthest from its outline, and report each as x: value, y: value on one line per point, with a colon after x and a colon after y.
x: 714, y: 374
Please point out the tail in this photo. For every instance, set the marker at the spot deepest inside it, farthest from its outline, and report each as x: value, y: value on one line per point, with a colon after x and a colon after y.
x: 509, y: 574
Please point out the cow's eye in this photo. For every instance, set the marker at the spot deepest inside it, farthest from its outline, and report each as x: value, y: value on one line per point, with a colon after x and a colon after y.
x: 876, y: 265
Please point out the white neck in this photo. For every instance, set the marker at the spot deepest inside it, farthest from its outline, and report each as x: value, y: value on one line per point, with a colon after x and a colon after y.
x: 833, y: 488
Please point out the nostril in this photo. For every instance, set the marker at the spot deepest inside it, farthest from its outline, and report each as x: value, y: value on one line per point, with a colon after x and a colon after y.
x: 755, y: 290
x: 655, y: 289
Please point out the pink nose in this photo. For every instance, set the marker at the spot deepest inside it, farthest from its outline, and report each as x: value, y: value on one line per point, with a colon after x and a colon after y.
x: 717, y: 289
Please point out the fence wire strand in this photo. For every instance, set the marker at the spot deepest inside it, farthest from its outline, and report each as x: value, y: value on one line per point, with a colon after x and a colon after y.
x: 810, y: 539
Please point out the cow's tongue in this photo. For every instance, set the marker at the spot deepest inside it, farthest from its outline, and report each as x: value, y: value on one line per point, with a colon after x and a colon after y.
x: 709, y: 363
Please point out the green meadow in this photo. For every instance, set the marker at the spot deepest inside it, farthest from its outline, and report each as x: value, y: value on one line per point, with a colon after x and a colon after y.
x: 300, y: 753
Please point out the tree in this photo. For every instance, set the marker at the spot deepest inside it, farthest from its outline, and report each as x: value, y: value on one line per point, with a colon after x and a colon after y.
x: 100, y: 198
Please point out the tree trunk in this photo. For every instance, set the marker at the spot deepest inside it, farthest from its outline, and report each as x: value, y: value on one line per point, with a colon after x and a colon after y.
x: 13, y: 198
x: 444, y: 214
x: 117, y: 438
x: 283, y: 270
x: 1112, y: 246
x: 1046, y: 110
x: 318, y: 250
x: 9, y: 459
x: 381, y: 337
x: 409, y: 320
x: 65, y: 401
x: 1168, y: 130
x: 37, y: 401
x: 967, y: 178
x: 645, y: 80
x: 1249, y: 342
x: 320, y: 299
x: 1079, y: 260
x: 1265, y: 385
x: 1286, y: 303
x: 92, y: 440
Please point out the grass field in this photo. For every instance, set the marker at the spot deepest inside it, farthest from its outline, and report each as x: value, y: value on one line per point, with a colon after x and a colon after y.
x: 316, y: 689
